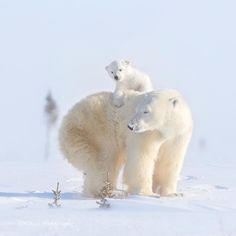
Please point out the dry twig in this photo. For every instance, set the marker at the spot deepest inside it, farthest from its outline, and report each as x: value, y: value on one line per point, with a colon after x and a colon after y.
x: 57, y: 197
x: 106, y: 192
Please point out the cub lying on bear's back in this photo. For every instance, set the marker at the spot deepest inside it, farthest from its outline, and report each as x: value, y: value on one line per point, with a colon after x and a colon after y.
x: 127, y: 78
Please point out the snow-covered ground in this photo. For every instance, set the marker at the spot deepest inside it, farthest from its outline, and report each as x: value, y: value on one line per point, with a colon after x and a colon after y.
x: 208, y: 206
x: 64, y: 46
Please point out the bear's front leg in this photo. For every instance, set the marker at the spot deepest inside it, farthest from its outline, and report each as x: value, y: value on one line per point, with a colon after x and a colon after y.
x: 142, y: 149
x: 169, y: 164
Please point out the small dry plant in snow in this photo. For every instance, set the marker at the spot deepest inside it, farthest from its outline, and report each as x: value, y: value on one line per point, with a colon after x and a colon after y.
x: 57, y: 197
x: 103, y: 203
x: 105, y: 192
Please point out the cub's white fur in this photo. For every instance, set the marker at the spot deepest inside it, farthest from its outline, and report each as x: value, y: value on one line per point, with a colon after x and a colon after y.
x: 127, y: 78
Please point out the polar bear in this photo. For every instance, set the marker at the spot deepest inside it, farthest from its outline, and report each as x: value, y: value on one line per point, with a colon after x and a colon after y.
x: 92, y: 138
x: 95, y: 137
x: 162, y: 125
x: 127, y: 78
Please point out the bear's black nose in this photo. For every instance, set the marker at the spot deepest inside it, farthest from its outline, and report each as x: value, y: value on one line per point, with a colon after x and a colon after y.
x: 130, y: 127
x: 116, y: 77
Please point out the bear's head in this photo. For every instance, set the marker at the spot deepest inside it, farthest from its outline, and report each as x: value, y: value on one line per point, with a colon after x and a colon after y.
x: 118, y: 70
x: 165, y: 111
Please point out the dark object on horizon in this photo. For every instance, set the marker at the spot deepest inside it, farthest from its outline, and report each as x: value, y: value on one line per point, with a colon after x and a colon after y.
x: 51, y: 114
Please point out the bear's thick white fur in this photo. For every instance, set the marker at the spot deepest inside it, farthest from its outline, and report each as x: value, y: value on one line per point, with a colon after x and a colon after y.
x: 94, y: 138
x: 127, y: 78
x: 162, y: 125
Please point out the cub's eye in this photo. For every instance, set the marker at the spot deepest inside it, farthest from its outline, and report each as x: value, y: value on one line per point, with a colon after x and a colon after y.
x: 112, y: 72
x: 120, y: 69
x: 146, y: 112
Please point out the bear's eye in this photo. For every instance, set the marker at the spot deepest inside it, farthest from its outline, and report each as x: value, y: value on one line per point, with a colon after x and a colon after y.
x: 112, y: 72
x: 120, y: 69
x: 146, y: 112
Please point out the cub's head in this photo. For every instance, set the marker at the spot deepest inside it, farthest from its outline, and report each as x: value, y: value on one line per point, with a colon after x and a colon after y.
x: 165, y: 111
x: 118, y: 70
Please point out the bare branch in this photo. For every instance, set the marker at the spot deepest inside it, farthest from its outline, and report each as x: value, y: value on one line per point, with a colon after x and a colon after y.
x: 57, y: 197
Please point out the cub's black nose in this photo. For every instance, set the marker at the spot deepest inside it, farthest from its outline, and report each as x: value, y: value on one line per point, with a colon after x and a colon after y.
x: 130, y: 127
x: 116, y: 77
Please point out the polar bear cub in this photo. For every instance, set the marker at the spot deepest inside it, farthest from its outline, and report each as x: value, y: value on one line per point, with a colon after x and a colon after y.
x: 127, y: 78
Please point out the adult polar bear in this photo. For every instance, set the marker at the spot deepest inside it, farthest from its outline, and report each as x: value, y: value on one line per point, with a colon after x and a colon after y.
x: 94, y: 138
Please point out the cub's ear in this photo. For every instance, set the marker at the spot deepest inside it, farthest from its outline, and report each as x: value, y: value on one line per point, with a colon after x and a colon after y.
x: 174, y: 101
x: 106, y: 68
x: 127, y: 62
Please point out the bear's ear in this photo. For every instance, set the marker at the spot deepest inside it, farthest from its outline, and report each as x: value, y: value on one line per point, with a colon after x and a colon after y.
x: 174, y: 101
x: 106, y: 68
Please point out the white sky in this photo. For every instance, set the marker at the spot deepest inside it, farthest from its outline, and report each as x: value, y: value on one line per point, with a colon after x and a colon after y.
x: 65, y: 45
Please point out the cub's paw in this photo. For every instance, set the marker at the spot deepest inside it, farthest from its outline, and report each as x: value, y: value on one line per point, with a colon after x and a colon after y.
x: 118, y: 103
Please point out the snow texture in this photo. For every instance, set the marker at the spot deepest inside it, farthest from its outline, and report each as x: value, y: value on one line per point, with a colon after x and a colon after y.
x: 63, y: 46
x: 208, y: 207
